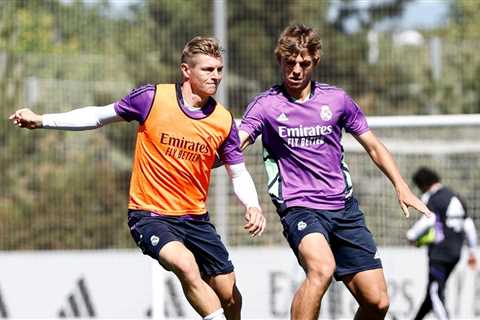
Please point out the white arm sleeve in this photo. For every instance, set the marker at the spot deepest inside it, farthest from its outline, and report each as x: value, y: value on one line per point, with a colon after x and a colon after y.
x: 243, y: 185
x: 85, y: 118
x: 420, y: 227
x: 470, y: 233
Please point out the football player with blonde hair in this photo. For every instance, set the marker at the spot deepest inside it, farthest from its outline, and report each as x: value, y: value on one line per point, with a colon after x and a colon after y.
x: 181, y: 130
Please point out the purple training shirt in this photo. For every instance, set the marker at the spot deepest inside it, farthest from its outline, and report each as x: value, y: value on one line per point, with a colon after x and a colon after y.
x: 302, y: 150
x: 136, y: 106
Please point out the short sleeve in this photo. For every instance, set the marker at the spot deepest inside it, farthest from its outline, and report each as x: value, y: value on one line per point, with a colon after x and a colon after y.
x: 137, y: 104
x: 252, y: 121
x: 230, y: 152
x: 353, y: 118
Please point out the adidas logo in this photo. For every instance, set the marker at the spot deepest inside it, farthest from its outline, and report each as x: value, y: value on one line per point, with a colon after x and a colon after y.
x: 79, y: 304
x: 282, y: 117
x: 173, y: 306
x: 3, y: 308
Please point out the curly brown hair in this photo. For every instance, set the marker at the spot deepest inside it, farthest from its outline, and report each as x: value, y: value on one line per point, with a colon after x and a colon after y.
x: 297, y: 38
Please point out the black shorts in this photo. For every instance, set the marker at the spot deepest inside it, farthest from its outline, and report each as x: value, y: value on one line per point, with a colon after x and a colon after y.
x: 350, y: 240
x: 151, y: 232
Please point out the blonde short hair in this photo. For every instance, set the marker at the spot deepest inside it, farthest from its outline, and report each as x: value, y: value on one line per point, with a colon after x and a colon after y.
x: 201, y: 45
x: 297, y: 38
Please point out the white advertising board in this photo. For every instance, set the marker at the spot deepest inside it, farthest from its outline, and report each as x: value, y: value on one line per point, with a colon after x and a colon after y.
x: 126, y: 284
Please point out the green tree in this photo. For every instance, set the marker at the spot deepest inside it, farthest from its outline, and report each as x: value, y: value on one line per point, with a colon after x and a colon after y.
x: 458, y: 91
x: 60, y: 190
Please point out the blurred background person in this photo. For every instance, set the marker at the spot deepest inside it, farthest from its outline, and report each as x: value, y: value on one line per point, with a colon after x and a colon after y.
x: 444, y: 233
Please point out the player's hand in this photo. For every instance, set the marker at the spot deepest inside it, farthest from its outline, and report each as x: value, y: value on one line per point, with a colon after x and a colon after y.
x: 407, y: 199
x: 26, y: 118
x: 256, y: 222
x: 472, y: 261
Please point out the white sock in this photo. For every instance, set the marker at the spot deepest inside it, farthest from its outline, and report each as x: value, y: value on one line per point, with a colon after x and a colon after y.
x: 217, y: 315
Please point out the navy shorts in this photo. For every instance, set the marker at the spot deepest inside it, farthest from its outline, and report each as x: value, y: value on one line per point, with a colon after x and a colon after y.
x: 350, y: 240
x: 151, y: 232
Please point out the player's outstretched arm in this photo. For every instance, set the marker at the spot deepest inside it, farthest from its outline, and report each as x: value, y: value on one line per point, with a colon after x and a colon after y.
x: 26, y: 118
x: 384, y: 161
x: 85, y: 118
x: 245, y: 191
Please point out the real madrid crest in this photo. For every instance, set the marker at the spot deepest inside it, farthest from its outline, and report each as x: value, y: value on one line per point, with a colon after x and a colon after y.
x: 325, y: 112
